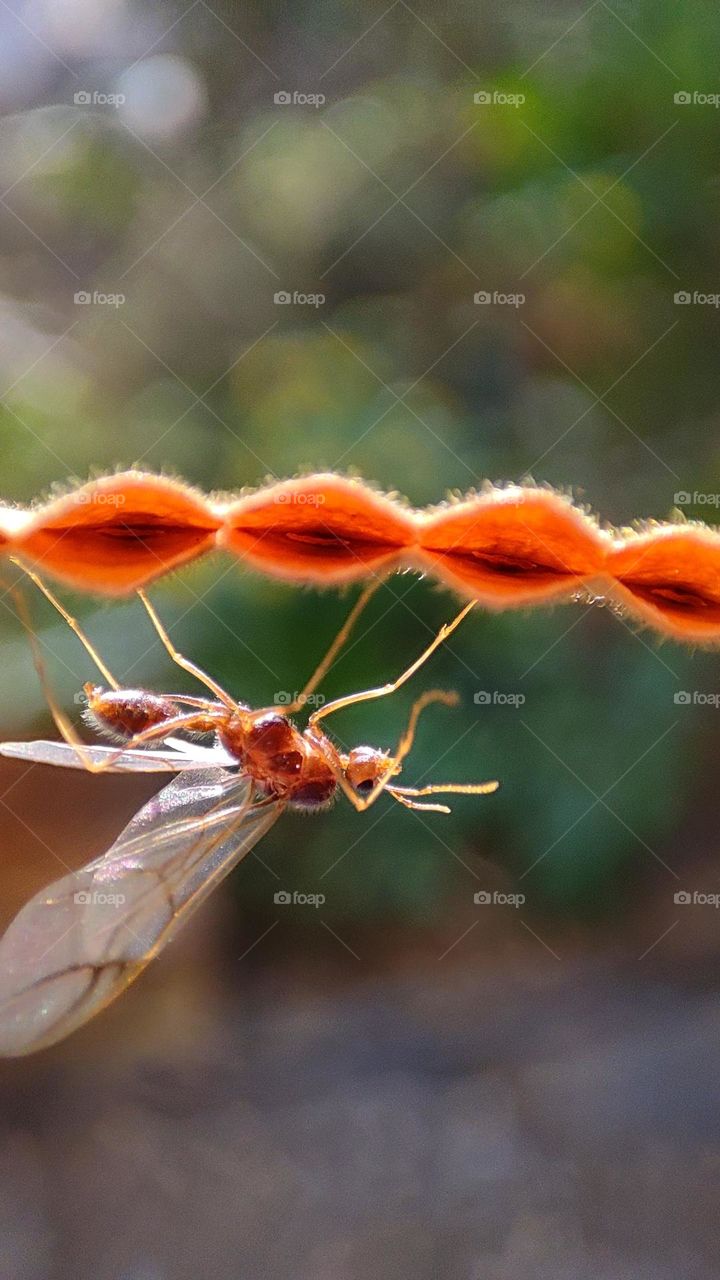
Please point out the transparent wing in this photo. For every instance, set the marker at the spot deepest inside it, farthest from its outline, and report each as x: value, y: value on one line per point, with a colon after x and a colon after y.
x: 80, y: 942
x: 188, y: 756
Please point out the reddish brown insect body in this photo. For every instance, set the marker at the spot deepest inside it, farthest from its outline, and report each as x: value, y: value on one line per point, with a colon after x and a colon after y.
x: 303, y: 768
x: 123, y: 713
x: 299, y: 767
x: 282, y: 760
x: 77, y: 944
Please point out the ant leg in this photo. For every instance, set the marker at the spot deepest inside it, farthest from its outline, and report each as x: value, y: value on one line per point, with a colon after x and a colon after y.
x: 85, y: 641
x: 334, y: 762
x: 184, y: 662
x: 402, y: 794
x: 424, y: 808
x: 383, y: 690
x: 435, y: 695
x: 156, y: 731
x: 187, y: 701
x: 62, y: 723
x: 404, y: 746
x: 73, y: 624
x: 323, y: 667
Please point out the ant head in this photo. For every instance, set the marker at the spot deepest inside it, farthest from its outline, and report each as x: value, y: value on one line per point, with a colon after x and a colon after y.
x: 365, y: 766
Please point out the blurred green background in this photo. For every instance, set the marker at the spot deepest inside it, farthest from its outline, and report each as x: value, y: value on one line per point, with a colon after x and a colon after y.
x: 181, y: 197
x: 181, y: 167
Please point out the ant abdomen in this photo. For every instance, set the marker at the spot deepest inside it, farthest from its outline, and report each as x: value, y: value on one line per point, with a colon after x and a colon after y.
x: 314, y: 793
x: 123, y: 713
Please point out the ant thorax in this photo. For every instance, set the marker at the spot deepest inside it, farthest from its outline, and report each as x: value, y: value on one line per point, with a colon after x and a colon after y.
x: 282, y: 760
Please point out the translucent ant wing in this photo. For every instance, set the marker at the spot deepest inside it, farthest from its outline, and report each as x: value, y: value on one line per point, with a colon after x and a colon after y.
x: 80, y: 942
x: 190, y: 756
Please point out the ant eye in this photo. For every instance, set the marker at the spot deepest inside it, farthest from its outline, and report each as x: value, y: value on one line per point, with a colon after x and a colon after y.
x: 365, y: 786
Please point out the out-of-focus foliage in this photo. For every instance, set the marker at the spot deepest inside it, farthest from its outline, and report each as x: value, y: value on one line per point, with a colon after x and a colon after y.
x: 145, y: 163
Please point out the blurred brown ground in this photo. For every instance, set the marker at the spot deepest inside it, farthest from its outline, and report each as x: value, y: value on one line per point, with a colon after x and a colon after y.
x: 502, y: 1113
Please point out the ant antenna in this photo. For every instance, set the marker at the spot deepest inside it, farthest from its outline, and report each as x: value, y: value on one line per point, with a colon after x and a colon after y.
x: 456, y: 788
